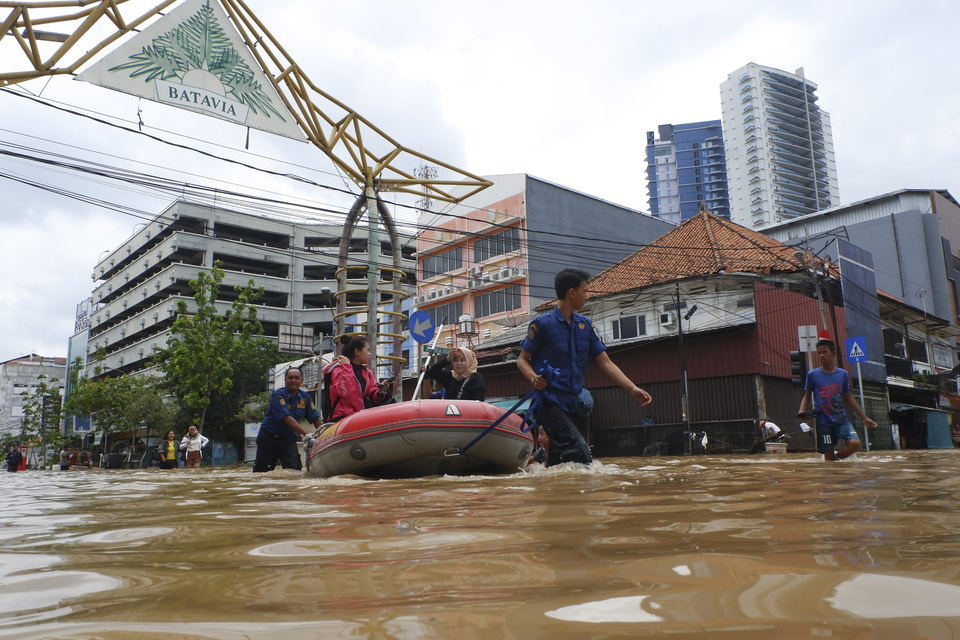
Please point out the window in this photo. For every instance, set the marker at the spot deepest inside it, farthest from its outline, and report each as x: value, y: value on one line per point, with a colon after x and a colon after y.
x: 498, y: 301
x: 893, y: 344
x: 497, y: 244
x: 629, y: 327
x: 446, y: 314
x: 917, y: 350
x: 443, y: 262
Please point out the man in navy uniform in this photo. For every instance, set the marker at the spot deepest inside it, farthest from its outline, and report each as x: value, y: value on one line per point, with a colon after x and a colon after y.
x: 554, y: 358
x: 278, y: 432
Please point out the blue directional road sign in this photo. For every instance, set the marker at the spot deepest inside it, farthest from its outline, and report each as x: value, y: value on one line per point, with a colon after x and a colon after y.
x: 421, y: 326
x: 856, y: 349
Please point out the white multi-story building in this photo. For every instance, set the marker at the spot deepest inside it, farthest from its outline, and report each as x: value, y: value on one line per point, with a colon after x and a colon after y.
x: 22, y: 375
x: 140, y: 282
x: 779, y: 147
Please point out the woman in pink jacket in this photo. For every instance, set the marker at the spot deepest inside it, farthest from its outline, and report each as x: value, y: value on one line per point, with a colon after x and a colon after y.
x: 353, y: 386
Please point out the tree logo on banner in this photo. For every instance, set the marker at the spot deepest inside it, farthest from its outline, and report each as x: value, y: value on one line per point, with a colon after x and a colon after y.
x: 207, y: 70
x: 195, y: 59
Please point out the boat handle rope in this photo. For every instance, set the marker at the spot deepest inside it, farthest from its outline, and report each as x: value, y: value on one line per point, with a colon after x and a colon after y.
x: 529, y: 418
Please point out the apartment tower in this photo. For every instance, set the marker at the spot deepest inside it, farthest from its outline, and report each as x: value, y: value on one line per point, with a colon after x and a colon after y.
x: 779, y: 146
x: 686, y: 167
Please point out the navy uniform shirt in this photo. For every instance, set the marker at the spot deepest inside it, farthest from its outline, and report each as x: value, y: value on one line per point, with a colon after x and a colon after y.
x: 283, y: 404
x: 554, y: 342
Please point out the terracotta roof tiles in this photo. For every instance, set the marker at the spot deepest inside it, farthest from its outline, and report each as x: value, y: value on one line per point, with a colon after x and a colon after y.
x: 703, y: 245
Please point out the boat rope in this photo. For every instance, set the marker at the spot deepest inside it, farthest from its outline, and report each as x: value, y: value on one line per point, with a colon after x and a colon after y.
x: 533, y: 396
x: 529, y: 418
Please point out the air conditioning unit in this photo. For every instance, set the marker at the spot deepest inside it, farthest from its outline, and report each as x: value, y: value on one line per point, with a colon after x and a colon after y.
x: 159, y: 254
x: 146, y: 263
x: 157, y: 284
x: 156, y: 315
x: 504, y: 273
x: 123, y: 332
x: 144, y: 292
x: 433, y: 293
x: 473, y: 284
x: 170, y: 308
x: 667, y: 319
x: 153, y: 345
x: 516, y: 271
x: 486, y: 333
x: 476, y: 271
x: 448, y: 340
x: 140, y: 351
x: 496, y: 276
x: 143, y: 321
x: 487, y: 277
x: 447, y: 291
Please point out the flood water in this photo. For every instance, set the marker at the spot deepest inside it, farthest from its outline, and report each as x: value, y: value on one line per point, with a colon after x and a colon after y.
x: 697, y: 547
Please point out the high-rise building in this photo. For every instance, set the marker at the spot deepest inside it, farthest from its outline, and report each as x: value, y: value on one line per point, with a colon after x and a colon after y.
x: 779, y: 146
x: 138, y: 284
x: 686, y: 167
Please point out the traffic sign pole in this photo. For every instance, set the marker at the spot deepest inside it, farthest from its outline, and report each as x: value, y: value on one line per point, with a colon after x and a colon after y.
x: 866, y: 438
x: 416, y: 391
x: 857, y: 353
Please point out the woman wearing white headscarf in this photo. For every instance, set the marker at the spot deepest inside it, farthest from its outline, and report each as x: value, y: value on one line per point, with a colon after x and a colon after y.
x: 457, y: 372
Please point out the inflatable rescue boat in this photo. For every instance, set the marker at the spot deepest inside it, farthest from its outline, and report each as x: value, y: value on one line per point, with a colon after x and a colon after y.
x: 420, y: 438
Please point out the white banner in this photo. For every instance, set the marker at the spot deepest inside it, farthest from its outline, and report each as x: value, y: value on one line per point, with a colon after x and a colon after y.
x: 193, y: 58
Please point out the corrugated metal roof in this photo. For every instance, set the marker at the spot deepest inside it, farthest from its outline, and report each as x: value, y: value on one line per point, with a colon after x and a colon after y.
x: 703, y: 245
x: 508, y: 338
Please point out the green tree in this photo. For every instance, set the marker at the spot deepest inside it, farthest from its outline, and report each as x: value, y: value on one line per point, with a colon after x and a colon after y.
x: 42, y: 414
x: 122, y: 404
x: 215, y: 361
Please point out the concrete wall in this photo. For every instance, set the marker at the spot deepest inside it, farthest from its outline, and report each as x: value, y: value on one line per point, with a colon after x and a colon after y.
x: 571, y: 229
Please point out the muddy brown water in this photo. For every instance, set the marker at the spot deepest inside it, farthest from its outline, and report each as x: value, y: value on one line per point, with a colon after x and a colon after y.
x: 697, y: 547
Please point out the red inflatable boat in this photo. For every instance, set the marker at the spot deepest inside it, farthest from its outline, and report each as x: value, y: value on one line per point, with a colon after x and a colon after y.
x: 420, y: 438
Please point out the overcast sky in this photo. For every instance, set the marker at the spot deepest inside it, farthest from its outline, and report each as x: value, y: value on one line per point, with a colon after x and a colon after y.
x: 565, y: 91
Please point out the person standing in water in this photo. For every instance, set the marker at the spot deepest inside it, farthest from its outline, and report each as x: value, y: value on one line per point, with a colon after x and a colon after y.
x: 828, y: 388
x: 553, y: 357
x: 193, y: 444
x: 167, y: 451
x: 278, y: 436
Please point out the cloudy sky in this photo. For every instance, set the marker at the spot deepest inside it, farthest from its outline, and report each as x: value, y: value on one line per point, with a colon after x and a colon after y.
x: 565, y: 91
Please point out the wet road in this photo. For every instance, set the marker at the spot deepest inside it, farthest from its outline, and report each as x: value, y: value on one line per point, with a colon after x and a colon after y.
x: 696, y: 547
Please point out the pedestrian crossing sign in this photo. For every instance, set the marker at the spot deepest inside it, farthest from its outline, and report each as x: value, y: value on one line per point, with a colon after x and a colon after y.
x: 856, y: 349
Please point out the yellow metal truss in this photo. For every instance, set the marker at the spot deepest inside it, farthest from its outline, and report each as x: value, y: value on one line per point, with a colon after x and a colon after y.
x: 361, y: 150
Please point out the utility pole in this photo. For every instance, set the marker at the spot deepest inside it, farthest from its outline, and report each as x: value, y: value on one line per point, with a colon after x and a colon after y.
x: 685, y: 415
